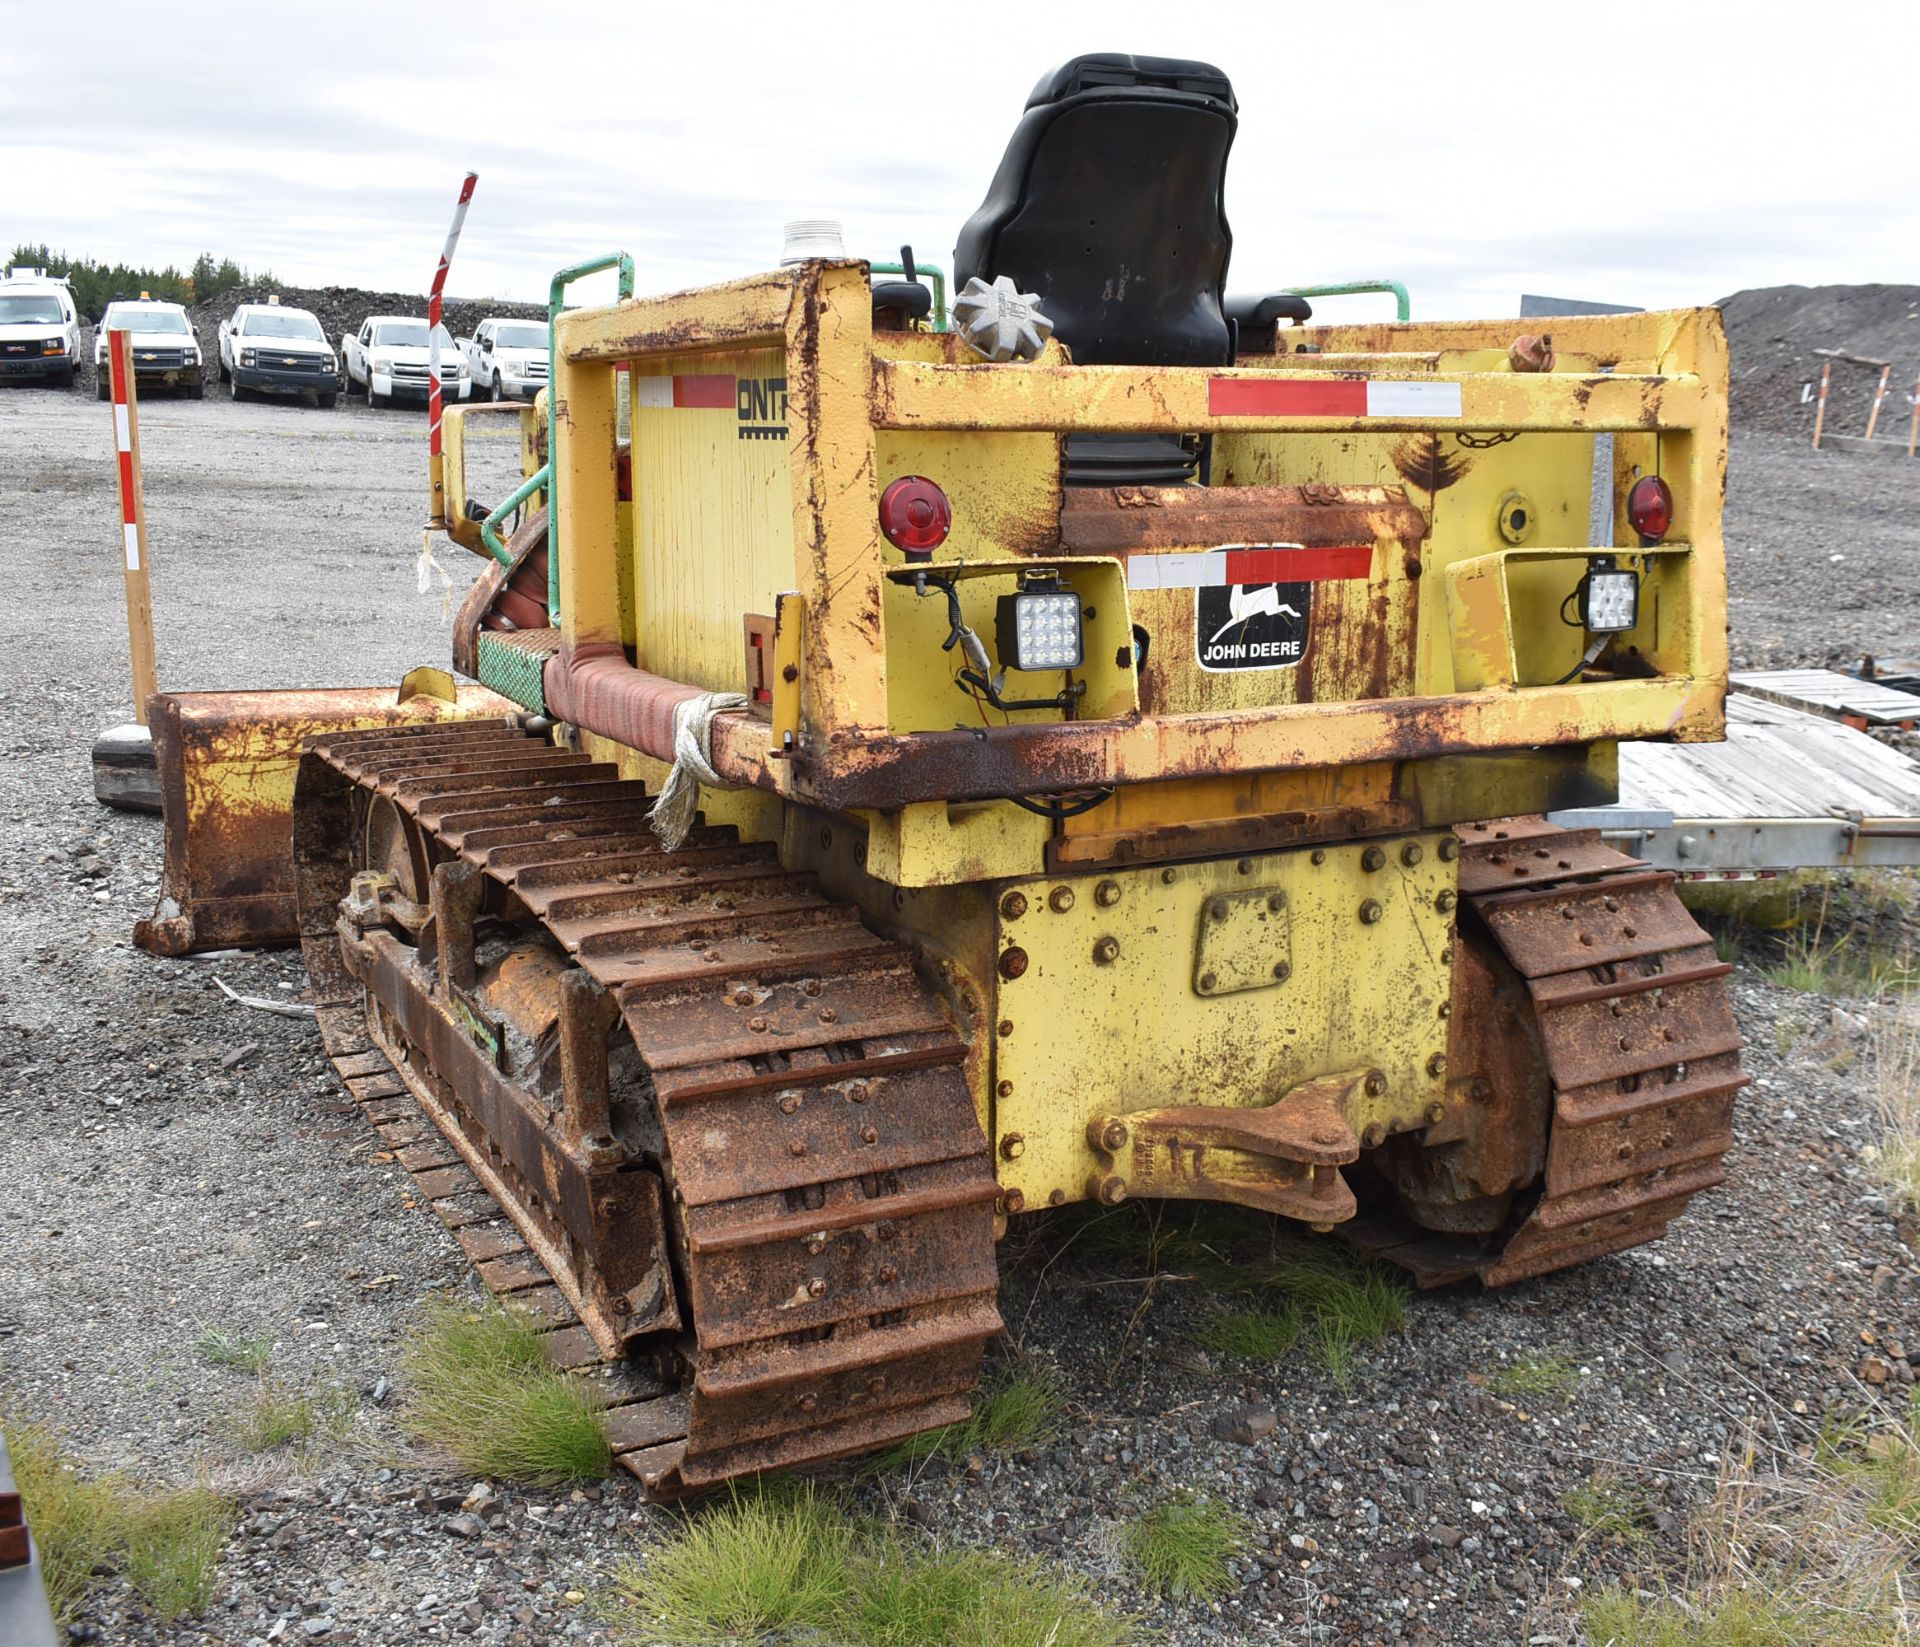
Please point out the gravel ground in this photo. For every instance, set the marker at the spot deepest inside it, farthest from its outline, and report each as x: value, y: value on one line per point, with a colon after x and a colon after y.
x: 172, y: 1162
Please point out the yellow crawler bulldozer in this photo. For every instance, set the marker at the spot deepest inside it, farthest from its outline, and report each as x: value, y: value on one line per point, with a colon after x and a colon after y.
x: 929, y: 768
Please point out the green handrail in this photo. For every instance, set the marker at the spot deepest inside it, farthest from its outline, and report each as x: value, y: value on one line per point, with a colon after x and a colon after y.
x: 935, y: 274
x: 556, y: 292
x: 1354, y: 288
x: 489, y: 528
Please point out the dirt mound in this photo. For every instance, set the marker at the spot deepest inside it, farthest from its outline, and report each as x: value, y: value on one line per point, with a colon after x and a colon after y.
x: 1773, y: 331
x: 340, y: 309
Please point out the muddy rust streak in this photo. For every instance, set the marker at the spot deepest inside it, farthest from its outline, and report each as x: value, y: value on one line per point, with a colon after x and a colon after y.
x: 1428, y: 464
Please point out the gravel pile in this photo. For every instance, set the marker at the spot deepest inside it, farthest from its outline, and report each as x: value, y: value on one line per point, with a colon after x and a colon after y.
x: 1772, y: 332
x: 174, y: 1162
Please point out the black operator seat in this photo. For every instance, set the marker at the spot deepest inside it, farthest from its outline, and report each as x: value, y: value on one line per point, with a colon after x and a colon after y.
x: 1110, y: 204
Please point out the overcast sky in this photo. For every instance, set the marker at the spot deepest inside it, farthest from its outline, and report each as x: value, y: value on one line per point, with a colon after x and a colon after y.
x: 1648, y: 154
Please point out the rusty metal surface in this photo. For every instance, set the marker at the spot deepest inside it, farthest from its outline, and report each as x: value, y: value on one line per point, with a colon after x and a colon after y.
x: 833, y: 1202
x: 1284, y: 1157
x: 1119, y: 520
x: 226, y: 763
x: 1595, y: 1062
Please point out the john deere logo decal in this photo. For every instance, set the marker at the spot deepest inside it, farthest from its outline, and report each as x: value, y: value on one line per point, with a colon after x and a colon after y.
x: 1251, y: 625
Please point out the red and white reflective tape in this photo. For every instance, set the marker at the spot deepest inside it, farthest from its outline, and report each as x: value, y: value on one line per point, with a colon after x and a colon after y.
x: 706, y: 391
x: 1248, y: 563
x: 120, y: 366
x: 1339, y: 397
x: 433, y: 313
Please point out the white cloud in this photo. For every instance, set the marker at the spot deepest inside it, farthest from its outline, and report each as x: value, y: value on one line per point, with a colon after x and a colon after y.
x: 1644, y: 153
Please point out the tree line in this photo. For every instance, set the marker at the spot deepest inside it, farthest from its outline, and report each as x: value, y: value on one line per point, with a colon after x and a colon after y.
x: 97, y: 284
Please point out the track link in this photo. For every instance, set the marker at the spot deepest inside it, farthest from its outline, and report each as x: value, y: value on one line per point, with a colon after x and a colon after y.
x: 1636, y: 1026
x: 833, y: 1196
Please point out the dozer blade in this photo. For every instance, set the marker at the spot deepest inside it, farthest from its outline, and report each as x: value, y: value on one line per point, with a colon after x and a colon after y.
x: 226, y: 765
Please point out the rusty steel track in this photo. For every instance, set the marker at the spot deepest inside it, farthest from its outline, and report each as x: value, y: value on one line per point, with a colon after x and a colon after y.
x: 1626, y: 1008
x: 802, y: 1264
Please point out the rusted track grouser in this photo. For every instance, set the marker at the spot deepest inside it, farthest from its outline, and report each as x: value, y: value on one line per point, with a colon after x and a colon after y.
x: 811, y: 1180
x: 1582, y: 965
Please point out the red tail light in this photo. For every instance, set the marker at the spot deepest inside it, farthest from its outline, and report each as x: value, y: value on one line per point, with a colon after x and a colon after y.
x: 915, y: 515
x: 1650, y: 507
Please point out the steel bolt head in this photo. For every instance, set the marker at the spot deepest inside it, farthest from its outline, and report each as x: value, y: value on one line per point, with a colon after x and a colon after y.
x: 757, y: 1025
x: 1446, y: 901
x: 1282, y: 971
x: 812, y: 986
x: 1013, y: 962
x: 1374, y: 858
x: 1276, y: 901
x: 797, y: 1148
x: 886, y: 1272
x: 816, y: 1245
x: 1168, y: 877
x: 1218, y: 909
x: 1060, y: 899
x: 1371, y: 911
x: 1004, y: 1089
x: 807, y: 1403
x: 1113, y: 1136
x: 1207, y: 981
x: 1437, y: 1064
x: 1411, y: 853
x: 1244, y: 867
x: 1376, y: 1083
x: 1374, y: 1136
x: 816, y: 1288
x: 1014, y: 1201
x: 1449, y: 849
x: 1005, y: 1027
x: 1013, y: 905
x: 869, y: 1135
x: 789, y: 1104
x: 1107, y: 894
x: 1113, y: 1190
x: 1013, y: 1146
x: 743, y: 997
x: 1436, y: 1113
x: 1319, y: 855
x: 1106, y: 951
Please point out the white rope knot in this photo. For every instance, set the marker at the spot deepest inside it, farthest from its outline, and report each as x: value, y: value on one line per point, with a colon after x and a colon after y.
x: 679, y: 799
x: 427, y: 568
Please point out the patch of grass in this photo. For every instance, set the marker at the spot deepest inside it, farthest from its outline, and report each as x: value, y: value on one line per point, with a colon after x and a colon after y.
x: 480, y: 1388
x: 1017, y: 1406
x: 277, y: 1418
x: 1726, y: 945
x: 910, y: 1597
x: 791, y: 1565
x: 1348, y: 1302
x: 166, y: 1543
x: 1808, y: 962
x: 1813, y: 1547
x: 173, y: 1549
x: 219, y: 1348
x: 754, y: 1567
x: 1896, y: 1092
x: 1537, y: 1377
x: 1607, y: 1507
x: 1182, y: 1545
x: 1256, y: 1333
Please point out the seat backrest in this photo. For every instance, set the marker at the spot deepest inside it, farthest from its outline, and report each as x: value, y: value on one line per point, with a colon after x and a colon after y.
x: 1109, y: 203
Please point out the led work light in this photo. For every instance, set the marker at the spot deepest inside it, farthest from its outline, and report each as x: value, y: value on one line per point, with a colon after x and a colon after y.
x: 1038, y: 627
x: 1609, y: 598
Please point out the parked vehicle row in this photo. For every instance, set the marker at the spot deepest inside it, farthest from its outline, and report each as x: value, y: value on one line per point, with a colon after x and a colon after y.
x: 269, y: 348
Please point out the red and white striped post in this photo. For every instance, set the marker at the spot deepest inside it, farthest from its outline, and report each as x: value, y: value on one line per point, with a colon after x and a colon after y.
x: 436, y: 463
x: 1820, y: 412
x: 133, y: 521
x: 1879, y: 399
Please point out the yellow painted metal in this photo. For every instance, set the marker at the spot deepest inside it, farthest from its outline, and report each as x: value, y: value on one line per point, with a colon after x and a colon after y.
x: 938, y: 844
x: 923, y: 691
x: 484, y: 420
x: 1122, y: 990
x: 226, y: 764
x: 587, y: 505
x: 713, y: 514
x: 1005, y: 489
x: 756, y: 813
x: 915, y: 395
x: 789, y: 633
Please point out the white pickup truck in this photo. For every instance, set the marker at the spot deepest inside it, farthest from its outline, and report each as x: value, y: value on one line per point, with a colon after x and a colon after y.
x: 507, y: 358
x: 387, y: 360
